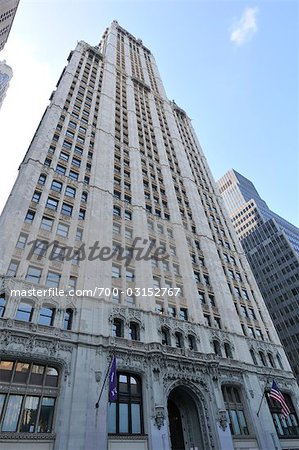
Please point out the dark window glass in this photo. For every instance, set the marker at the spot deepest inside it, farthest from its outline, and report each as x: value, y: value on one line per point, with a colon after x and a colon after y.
x: 68, y: 319
x: 2, y: 305
x: 117, y: 328
x: 125, y: 415
x: 29, y: 216
x: 134, y: 331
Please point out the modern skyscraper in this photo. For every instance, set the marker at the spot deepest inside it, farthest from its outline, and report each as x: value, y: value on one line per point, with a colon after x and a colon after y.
x: 8, y: 9
x: 5, y: 77
x: 271, y: 245
x: 117, y: 243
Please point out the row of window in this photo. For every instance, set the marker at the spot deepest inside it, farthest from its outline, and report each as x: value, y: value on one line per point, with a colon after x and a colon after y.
x: 46, y: 316
x: 33, y: 412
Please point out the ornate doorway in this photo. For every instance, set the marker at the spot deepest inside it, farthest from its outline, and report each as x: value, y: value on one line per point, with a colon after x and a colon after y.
x: 183, y: 418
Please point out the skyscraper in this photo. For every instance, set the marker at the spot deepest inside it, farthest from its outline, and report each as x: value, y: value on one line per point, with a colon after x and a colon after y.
x: 5, y: 77
x: 271, y: 245
x: 116, y: 247
x: 8, y: 9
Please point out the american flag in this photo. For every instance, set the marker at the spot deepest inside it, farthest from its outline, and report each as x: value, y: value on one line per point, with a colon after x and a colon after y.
x: 277, y: 395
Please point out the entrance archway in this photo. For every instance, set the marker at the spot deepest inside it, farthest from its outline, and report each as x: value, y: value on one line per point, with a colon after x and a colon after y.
x: 183, y: 418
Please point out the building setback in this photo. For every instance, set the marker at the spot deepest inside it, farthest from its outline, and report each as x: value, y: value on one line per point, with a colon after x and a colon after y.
x: 8, y: 9
x: 115, y: 165
x: 271, y: 245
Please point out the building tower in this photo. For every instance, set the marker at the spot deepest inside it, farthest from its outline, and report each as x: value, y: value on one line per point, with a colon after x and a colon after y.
x: 271, y: 245
x: 115, y: 241
x: 5, y: 77
x: 8, y: 9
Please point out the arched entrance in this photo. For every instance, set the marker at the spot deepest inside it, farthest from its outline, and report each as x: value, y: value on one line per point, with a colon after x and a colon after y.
x: 183, y: 418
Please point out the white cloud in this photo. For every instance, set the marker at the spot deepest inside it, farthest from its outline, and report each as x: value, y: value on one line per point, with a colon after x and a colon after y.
x: 245, y: 27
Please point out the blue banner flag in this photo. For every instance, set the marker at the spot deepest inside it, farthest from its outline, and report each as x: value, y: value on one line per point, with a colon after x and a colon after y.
x: 113, y: 381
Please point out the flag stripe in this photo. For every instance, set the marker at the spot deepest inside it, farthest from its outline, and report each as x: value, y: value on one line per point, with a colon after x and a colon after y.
x: 278, y: 396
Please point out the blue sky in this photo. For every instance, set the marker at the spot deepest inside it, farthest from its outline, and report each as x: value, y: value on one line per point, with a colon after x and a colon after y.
x: 232, y: 65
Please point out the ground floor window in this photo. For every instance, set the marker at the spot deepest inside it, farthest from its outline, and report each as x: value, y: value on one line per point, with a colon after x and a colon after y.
x: 28, y: 397
x: 125, y: 414
x: 26, y: 413
x: 285, y: 426
x: 235, y: 410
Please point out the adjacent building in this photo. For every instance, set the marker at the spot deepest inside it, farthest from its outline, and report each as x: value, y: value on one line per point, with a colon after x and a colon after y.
x: 8, y: 9
x: 115, y: 243
x: 271, y: 245
x: 5, y: 77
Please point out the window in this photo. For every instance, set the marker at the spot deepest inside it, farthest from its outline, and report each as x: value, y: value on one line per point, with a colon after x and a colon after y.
x: 12, y: 268
x: 36, y: 196
x: 70, y: 191
x: 271, y: 360
x: 217, y: 348
x: 32, y: 412
x: 66, y: 209
x: 252, y: 353
x: 134, y: 331
x: 48, y: 162
x: 33, y: 274
x: 72, y: 282
x: 165, y: 336
x: 73, y: 175
x: 2, y: 305
x: 68, y: 319
x: 53, y: 279
x: 46, y: 316
x: 29, y: 216
x: 22, y: 240
x: 116, y: 272
x: 128, y: 215
x: 262, y: 358
x: 179, y: 340
x: 76, y: 162
x: 24, y: 312
x: 46, y: 223
x: 116, y: 211
x: 56, y: 186
x: 79, y: 234
x: 191, y: 342
x: 125, y: 415
x: 117, y: 328
x: 62, y: 229
x: 42, y: 179
x: 57, y: 253
x: 84, y: 196
x: 60, y: 169
x: 40, y: 248
x: 228, y: 350
x: 183, y: 314
x: 82, y: 214
x: 285, y: 427
x: 235, y: 410
x: 116, y: 228
x: 52, y: 203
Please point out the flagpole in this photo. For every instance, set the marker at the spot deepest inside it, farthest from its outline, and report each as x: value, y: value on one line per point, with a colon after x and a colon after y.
x: 104, y: 382
x: 259, y: 409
